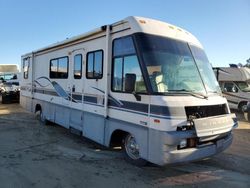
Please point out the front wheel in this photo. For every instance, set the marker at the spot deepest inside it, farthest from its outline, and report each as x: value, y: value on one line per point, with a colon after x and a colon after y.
x: 132, y: 151
x: 243, y: 107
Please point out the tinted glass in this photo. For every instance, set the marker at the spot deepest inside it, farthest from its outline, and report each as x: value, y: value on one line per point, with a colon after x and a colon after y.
x: 90, y: 67
x: 26, y: 68
x: 117, y: 75
x: 95, y: 64
x: 131, y: 66
x: 170, y: 64
x: 123, y: 46
x: 205, y: 69
x: 78, y: 66
x: 53, y: 65
x: 98, y: 64
x: 244, y: 86
x: 59, y: 68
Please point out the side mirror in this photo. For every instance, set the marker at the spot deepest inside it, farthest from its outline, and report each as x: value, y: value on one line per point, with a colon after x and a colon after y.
x: 130, y: 80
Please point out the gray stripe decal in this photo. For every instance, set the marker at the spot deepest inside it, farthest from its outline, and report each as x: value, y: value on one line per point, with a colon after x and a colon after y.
x: 130, y: 106
x: 162, y: 112
x: 232, y: 101
x: 229, y: 94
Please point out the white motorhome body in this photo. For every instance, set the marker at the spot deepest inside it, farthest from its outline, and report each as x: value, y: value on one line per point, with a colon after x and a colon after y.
x: 137, y: 82
x: 234, y: 83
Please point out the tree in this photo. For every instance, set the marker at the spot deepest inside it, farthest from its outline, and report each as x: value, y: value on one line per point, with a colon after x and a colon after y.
x: 248, y: 63
x: 248, y: 60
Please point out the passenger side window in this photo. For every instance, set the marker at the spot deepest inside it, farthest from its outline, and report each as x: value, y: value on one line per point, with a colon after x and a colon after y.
x: 59, y: 68
x: 125, y: 61
x: 95, y: 65
x: 78, y: 66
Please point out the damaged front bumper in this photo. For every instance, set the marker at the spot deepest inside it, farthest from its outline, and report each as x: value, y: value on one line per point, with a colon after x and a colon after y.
x: 208, y: 137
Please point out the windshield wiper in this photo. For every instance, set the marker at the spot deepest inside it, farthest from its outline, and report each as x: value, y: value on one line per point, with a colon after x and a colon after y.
x: 189, y: 92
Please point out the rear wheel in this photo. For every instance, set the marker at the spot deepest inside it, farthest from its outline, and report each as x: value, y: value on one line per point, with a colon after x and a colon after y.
x: 132, y: 151
x: 40, y: 116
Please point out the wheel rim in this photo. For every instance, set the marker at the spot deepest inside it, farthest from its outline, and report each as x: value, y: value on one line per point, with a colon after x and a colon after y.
x: 132, y: 148
x: 244, y: 108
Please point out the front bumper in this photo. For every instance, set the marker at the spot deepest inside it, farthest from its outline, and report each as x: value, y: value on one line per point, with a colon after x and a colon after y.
x: 200, y: 152
x: 165, y: 149
x: 11, y: 96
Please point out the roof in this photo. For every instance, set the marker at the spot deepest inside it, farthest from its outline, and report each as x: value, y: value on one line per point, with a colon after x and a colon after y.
x: 233, y: 74
x: 137, y: 24
x: 156, y: 27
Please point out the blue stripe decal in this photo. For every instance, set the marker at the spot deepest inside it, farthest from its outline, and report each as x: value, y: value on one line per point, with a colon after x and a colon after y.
x: 151, y: 115
x: 162, y: 112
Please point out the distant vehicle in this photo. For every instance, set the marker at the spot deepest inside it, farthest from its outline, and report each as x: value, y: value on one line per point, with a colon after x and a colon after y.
x: 139, y: 83
x: 10, y: 92
x: 9, y: 83
x: 235, y: 85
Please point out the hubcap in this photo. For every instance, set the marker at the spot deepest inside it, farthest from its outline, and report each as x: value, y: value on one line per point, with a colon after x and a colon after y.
x: 132, y: 148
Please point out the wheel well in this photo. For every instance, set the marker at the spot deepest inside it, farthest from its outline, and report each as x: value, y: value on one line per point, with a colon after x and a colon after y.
x: 241, y: 104
x: 38, y: 108
x: 117, y: 138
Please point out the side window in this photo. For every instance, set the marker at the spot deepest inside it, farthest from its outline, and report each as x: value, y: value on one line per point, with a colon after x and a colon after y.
x: 95, y: 65
x: 78, y: 66
x: 230, y: 87
x: 125, y: 61
x: 26, y: 65
x: 59, y: 68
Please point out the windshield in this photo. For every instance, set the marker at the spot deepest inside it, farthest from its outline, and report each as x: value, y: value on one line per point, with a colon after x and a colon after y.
x: 8, y: 77
x: 171, y: 65
x: 205, y: 69
x: 243, y: 86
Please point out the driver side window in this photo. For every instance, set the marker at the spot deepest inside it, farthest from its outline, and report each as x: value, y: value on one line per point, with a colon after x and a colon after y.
x: 230, y: 87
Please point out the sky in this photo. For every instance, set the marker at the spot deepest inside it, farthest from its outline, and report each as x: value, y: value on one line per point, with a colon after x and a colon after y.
x: 222, y: 26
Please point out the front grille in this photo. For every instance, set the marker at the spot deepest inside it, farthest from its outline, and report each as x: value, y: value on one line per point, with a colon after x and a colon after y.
x: 205, y: 111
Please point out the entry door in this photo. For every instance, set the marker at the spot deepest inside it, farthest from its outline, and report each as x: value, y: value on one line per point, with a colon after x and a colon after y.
x: 26, y: 82
x: 76, y: 89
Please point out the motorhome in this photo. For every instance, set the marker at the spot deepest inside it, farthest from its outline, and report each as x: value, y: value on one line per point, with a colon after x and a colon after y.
x: 235, y: 85
x: 139, y: 83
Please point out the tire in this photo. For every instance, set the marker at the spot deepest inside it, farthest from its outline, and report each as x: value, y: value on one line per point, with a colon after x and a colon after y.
x: 243, y: 107
x: 41, y: 117
x: 132, y: 151
x: 6, y: 99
